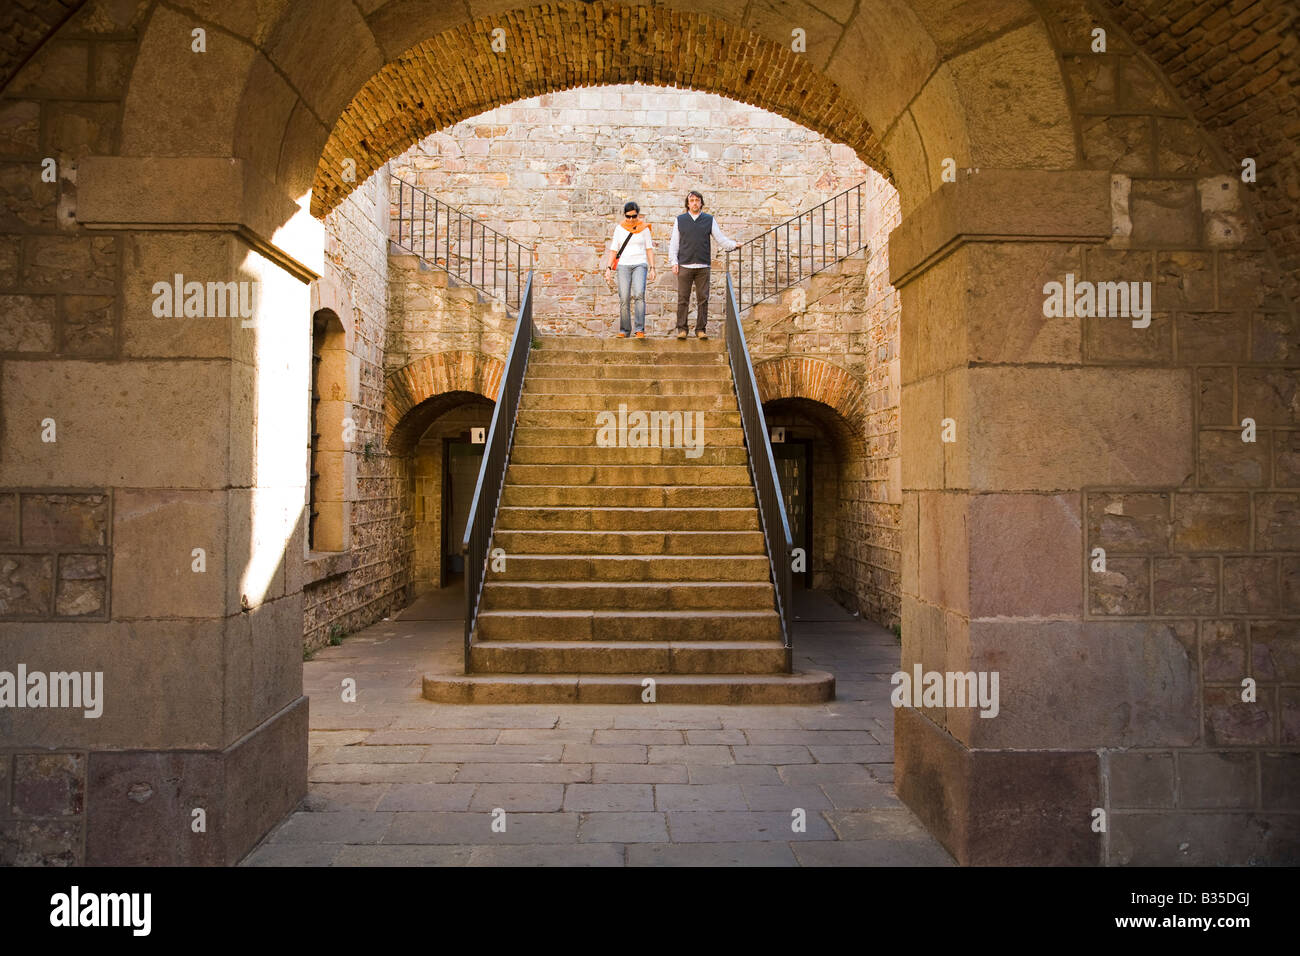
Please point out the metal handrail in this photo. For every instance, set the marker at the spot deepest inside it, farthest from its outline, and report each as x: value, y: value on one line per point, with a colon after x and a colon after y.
x: 498, y: 268
x: 496, y: 455
x: 762, y: 466
x: 762, y: 277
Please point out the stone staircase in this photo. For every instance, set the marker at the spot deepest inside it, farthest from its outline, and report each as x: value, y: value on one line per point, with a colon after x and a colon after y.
x: 627, y: 563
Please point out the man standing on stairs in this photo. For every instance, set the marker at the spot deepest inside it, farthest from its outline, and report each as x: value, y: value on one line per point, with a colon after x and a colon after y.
x: 689, y: 253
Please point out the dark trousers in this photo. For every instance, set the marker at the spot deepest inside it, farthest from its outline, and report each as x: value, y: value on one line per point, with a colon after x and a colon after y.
x: 686, y: 279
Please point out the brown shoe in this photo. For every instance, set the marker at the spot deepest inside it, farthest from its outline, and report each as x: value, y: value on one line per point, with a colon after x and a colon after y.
x: 681, y: 335
x: 700, y: 335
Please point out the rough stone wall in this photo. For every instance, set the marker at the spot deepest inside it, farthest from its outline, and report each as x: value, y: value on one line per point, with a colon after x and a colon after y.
x: 61, y: 302
x: 554, y: 171
x: 1206, y: 560
x: 379, y: 577
x: 1084, y: 434
x: 849, y: 316
x: 430, y: 314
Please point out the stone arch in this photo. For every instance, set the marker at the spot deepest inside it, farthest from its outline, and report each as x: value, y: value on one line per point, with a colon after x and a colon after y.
x: 407, y: 99
x: 986, y: 91
x: 805, y: 377
x: 417, y: 393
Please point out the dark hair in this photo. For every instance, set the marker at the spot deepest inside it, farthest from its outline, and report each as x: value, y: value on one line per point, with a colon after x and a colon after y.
x: 629, y: 206
x: 694, y: 192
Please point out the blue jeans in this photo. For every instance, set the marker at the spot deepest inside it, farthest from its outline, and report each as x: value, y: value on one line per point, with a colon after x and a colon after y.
x: 631, y: 296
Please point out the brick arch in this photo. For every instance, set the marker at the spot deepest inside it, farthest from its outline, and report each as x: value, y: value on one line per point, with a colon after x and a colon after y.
x: 801, y: 376
x: 436, y: 83
x: 408, y: 389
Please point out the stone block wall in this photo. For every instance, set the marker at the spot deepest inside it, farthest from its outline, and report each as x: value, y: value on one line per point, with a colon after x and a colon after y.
x: 1207, y: 559
x: 377, y: 579
x: 554, y: 171
x: 55, y: 561
x: 1086, y: 438
x: 431, y: 314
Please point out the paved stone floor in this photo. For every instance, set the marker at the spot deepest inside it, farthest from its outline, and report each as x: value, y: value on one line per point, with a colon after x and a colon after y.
x: 398, y: 780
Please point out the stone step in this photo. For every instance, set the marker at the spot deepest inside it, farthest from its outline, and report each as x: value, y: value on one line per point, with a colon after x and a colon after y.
x: 586, y: 435
x: 627, y: 519
x: 593, y: 455
x: 600, y: 624
x: 628, y: 390
x: 678, y: 475
x: 519, y: 542
x: 611, y: 343
x: 586, y: 417
x: 855, y: 264
x: 629, y: 496
x: 662, y: 371
x: 624, y: 597
x: 592, y: 402
x: 799, y: 687
x: 645, y: 658
x: 632, y: 354
x: 658, y: 568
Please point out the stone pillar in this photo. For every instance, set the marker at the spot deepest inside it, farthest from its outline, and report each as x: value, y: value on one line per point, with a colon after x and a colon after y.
x: 993, y: 542
x: 187, y: 455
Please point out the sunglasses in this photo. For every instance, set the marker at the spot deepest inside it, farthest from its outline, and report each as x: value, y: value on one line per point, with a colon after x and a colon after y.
x: 629, y: 215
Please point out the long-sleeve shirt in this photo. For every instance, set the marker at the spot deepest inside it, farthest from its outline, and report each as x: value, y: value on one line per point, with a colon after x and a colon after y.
x: 715, y: 233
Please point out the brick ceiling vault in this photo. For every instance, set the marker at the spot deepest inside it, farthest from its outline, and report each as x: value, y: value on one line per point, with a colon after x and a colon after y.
x: 1237, y: 67
x: 456, y: 75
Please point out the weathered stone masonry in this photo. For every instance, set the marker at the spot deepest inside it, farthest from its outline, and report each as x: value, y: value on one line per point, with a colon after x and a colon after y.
x: 1128, y: 711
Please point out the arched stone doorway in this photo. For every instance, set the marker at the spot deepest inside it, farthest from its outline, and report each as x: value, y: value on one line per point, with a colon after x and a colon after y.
x: 1087, y: 412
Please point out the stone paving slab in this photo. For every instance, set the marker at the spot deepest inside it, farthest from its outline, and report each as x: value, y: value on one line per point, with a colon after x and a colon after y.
x: 396, y: 780
x: 624, y: 827
x: 427, y: 796
x: 638, y: 773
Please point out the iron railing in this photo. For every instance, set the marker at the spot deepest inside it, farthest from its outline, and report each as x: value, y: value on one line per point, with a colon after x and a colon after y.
x: 445, y: 237
x: 800, y: 247
x: 767, y: 485
x: 496, y: 455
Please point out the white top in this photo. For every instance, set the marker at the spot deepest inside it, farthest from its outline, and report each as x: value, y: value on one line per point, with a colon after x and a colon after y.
x: 634, y: 254
x: 716, y: 234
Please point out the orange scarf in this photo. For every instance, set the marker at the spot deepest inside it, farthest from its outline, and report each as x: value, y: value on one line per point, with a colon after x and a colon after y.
x: 640, y: 225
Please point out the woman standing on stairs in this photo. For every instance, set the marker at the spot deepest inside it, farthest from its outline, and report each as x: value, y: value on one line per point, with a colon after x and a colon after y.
x: 632, y: 251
